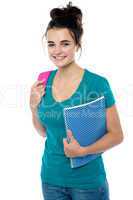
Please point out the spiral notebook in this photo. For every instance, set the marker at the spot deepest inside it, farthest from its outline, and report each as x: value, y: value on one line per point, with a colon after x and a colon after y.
x: 88, y: 124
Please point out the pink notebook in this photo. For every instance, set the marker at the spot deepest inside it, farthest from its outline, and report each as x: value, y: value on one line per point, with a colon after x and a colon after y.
x: 44, y: 76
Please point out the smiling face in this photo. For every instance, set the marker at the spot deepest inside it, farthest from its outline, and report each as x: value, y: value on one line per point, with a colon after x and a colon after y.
x: 61, y: 46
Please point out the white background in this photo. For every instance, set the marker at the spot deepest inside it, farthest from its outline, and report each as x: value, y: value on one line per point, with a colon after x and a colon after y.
x: 107, y: 50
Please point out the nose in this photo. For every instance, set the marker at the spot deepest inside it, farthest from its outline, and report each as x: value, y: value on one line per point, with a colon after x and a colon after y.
x: 57, y: 50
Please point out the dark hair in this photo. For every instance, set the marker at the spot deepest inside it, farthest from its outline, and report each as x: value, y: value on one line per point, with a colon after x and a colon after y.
x: 67, y: 17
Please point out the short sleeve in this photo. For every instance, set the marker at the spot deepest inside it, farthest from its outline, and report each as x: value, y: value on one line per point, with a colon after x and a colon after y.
x: 108, y: 94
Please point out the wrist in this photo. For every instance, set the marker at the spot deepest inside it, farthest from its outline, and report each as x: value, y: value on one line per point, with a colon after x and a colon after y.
x: 34, y: 112
x: 83, y: 151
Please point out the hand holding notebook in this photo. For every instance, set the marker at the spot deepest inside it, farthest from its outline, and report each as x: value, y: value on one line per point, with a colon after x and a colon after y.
x: 88, y: 124
x: 71, y: 147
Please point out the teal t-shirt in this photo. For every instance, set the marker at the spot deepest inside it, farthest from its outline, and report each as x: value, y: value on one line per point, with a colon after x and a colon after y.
x: 55, y: 167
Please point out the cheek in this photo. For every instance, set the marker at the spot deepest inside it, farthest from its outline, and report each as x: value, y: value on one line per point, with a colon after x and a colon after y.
x: 70, y: 53
x: 50, y: 51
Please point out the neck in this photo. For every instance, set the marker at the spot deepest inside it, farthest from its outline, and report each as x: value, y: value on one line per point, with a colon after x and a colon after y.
x: 68, y: 70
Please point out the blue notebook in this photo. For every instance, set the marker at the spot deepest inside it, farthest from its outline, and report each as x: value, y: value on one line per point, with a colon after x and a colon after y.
x: 88, y: 124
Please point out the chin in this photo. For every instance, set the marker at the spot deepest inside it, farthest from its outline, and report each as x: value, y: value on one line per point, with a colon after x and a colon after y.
x: 60, y: 65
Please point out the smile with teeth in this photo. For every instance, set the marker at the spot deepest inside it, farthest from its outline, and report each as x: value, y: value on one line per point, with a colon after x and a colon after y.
x: 59, y: 57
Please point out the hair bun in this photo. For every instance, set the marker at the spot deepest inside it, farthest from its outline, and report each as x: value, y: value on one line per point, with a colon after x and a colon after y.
x: 68, y: 12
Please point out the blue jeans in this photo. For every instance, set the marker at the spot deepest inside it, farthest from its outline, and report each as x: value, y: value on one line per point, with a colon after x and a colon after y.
x: 53, y: 192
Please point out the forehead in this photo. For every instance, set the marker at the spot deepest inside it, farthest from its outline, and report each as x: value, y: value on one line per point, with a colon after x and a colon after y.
x: 58, y: 34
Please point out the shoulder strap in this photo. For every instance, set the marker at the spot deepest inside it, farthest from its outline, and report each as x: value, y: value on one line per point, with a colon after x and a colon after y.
x: 43, y: 76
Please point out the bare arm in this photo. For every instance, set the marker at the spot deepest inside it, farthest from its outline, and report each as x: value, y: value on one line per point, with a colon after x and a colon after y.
x: 40, y: 129
x: 37, y: 91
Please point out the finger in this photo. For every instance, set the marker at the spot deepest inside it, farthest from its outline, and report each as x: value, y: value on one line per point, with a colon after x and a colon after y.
x: 38, y: 92
x: 40, y: 87
x: 38, y: 82
x: 65, y: 142
x: 69, y: 134
x: 43, y: 92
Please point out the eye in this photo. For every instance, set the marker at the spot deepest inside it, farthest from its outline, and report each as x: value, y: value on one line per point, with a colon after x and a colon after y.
x: 50, y: 45
x: 65, y: 44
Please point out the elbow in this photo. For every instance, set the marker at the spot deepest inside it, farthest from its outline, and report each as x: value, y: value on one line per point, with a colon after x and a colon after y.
x: 120, y: 138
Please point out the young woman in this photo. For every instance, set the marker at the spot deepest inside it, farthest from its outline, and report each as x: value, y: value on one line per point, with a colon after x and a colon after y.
x: 70, y: 85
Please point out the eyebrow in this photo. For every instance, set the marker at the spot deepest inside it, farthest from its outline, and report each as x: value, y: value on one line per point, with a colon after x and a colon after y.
x: 62, y: 41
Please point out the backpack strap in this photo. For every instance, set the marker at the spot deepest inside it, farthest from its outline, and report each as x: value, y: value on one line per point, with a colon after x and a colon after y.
x: 43, y: 76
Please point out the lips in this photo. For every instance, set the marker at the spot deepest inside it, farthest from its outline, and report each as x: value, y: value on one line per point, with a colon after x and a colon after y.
x: 59, y: 57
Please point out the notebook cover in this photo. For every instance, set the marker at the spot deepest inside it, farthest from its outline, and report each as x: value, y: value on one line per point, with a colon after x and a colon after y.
x: 88, y: 124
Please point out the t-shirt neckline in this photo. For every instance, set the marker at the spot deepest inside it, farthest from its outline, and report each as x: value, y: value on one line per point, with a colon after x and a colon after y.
x: 75, y: 92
